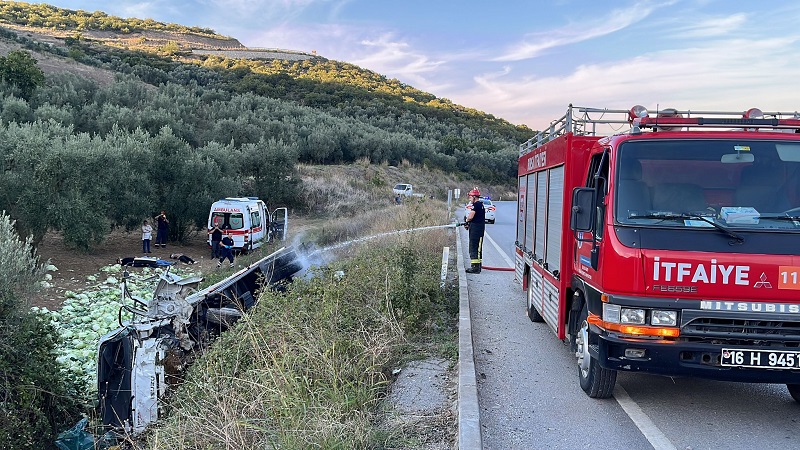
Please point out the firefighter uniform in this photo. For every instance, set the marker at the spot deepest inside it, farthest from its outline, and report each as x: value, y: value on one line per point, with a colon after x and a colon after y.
x: 477, y: 226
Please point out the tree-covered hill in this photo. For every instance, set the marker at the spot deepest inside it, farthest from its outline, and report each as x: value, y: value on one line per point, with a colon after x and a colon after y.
x: 42, y: 15
x: 171, y: 129
x: 75, y: 27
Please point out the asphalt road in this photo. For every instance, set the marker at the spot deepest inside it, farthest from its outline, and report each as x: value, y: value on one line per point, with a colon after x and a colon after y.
x: 529, y: 397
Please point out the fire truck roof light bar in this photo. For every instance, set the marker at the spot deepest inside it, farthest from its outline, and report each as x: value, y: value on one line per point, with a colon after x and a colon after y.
x: 718, y: 121
x: 584, y: 121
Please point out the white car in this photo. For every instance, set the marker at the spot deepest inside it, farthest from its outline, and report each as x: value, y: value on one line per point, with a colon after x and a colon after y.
x: 488, y: 206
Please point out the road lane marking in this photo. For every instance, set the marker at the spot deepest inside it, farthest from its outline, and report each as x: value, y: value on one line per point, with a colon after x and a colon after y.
x: 499, y: 250
x: 650, y: 431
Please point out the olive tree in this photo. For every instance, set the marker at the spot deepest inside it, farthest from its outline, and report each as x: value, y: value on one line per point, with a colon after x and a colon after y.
x: 269, y: 171
x: 21, y: 70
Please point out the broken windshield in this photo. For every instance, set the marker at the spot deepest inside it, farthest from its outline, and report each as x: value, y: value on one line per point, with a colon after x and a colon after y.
x: 742, y: 184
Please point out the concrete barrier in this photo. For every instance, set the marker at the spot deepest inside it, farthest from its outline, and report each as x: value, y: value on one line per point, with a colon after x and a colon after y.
x: 469, y: 424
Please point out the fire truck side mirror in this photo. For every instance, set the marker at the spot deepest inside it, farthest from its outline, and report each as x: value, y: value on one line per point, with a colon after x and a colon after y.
x: 583, y: 209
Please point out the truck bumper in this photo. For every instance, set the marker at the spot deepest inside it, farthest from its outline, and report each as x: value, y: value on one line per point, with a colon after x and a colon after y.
x: 683, y: 359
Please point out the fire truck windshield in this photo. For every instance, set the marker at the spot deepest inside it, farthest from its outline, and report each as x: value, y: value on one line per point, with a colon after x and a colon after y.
x: 737, y: 184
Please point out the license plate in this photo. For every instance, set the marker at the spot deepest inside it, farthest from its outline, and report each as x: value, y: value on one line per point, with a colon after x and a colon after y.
x: 770, y: 359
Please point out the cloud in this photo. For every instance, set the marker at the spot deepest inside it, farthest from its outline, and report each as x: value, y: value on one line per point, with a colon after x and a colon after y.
x: 717, y: 75
x: 536, y: 44
x: 715, y: 26
x: 376, y: 50
x: 385, y: 55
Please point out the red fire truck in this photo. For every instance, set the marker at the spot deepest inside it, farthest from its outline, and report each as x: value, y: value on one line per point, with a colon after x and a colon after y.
x: 665, y: 242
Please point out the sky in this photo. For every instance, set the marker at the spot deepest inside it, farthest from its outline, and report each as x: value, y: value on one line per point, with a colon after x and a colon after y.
x: 525, y: 61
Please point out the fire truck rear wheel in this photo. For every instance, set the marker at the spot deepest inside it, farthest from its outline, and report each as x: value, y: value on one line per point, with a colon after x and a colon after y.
x: 532, y: 313
x: 596, y: 381
x: 794, y: 391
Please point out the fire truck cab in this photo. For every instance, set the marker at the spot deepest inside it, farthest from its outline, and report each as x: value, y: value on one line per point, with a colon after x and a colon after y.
x: 671, y: 248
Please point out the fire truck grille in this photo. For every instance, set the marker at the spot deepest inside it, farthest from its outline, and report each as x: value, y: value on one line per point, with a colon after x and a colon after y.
x: 741, y: 331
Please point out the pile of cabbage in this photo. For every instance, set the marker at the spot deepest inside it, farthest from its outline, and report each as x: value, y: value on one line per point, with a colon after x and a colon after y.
x: 88, y: 315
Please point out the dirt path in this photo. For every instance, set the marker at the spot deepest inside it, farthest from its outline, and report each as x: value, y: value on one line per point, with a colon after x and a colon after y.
x: 74, y: 266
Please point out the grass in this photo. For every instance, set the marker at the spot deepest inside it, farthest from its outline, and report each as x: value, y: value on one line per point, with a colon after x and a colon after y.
x: 352, y: 190
x: 307, y: 368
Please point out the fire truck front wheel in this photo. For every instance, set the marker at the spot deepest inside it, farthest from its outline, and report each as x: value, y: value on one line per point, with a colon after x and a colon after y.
x: 794, y: 391
x: 596, y: 381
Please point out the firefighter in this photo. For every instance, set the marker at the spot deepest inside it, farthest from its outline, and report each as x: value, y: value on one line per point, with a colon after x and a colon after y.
x: 476, y: 224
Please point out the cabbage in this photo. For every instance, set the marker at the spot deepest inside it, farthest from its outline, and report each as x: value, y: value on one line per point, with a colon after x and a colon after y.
x: 86, y: 316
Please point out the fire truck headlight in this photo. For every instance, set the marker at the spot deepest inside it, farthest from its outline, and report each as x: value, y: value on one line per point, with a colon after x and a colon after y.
x: 632, y: 316
x: 611, y: 313
x: 664, y: 318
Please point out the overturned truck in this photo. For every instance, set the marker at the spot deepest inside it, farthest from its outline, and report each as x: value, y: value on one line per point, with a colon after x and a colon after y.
x: 139, y: 362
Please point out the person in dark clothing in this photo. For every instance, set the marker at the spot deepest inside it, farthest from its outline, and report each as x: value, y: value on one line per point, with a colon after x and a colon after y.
x: 216, y: 237
x: 476, y: 224
x: 162, y: 229
x: 227, y: 250
x: 182, y: 258
x: 144, y: 261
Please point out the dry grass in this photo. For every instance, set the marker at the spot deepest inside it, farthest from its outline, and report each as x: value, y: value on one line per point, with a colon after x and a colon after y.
x: 347, y: 190
x: 308, y: 367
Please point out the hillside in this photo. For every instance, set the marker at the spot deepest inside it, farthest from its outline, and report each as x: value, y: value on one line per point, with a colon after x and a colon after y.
x: 152, y: 116
x: 66, y: 27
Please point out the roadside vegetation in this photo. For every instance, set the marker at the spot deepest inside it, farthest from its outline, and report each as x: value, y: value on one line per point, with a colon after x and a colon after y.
x: 37, y: 399
x: 309, y: 366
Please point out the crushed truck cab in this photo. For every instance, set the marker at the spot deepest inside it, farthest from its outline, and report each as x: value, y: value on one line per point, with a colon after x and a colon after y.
x: 141, y: 362
x: 672, y: 248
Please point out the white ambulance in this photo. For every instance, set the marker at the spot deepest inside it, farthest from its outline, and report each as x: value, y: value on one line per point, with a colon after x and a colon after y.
x: 248, y: 222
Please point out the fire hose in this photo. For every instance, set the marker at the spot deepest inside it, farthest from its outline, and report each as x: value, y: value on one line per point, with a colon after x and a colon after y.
x: 502, y: 269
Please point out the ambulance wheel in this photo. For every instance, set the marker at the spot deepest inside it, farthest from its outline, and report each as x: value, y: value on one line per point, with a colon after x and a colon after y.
x: 596, y: 381
x: 532, y: 313
x: 794, y: 391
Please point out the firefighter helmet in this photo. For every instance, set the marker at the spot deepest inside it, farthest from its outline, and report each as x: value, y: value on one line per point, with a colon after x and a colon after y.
x: 475, y: 192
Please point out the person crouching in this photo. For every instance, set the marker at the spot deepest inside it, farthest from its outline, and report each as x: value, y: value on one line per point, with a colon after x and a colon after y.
x: 226, y: 246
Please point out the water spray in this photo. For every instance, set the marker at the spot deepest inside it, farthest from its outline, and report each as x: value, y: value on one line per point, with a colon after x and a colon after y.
x: 318, y: 251
x: 380, y: 235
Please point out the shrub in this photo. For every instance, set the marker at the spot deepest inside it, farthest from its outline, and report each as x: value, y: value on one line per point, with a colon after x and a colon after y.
x: 36, y: 400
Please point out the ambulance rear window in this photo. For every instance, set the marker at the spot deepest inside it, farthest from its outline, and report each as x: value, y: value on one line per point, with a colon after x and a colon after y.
x: 228, y: 221
x: 236, y: 221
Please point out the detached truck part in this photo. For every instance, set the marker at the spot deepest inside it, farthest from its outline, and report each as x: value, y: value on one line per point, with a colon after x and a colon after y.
x: 670, y: 248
